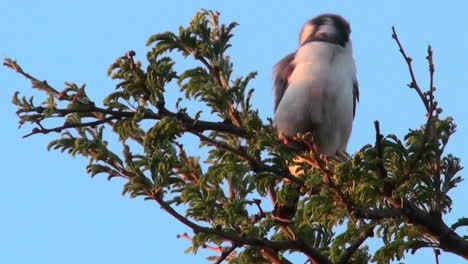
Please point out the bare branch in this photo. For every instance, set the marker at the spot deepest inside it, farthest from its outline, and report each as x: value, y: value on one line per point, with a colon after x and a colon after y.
x: 430, y: 61
x: 427, y: 98
x: 414, y: 83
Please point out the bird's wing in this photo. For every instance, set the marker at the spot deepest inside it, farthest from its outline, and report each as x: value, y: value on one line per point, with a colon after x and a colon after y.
x: 355, y: 95
x: 283, y: 69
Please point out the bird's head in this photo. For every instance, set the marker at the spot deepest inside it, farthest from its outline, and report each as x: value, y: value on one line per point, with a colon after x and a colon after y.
x: 326, y: 27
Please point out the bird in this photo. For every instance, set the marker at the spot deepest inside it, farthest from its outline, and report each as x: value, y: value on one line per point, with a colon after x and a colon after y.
x: 315, y: 90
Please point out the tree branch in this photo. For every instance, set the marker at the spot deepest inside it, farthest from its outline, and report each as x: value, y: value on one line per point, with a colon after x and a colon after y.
x: 435, y: 227
x: 67, y: 126
x: 40, y: 85
x: 189, y: 123
x: 381, y: 170
x: 320, y: 162
x: 258, y: 216
x: 378, y: 147
x: 294, y: 245
x: 344, y: 259
x: 255, y: 164
x: 408, y: 60
x: 213, y: 66
x: 273, y: 257
x: 376, y: 214
x: 225, y: 254
x: 427, y: 98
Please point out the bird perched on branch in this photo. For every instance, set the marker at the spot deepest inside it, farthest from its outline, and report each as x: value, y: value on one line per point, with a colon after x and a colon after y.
x: 315, y: 91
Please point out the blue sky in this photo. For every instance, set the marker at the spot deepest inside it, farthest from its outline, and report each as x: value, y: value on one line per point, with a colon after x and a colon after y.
x: 52, y: 212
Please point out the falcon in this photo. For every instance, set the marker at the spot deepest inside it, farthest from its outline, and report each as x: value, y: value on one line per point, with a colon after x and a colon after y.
x: 316, y: 91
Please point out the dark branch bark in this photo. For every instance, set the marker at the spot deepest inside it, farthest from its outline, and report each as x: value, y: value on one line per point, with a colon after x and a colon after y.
x: 189, y: 123
x: 294, y: 245
x: 434, y: 226
x: 382, y: 172
x: 408, y: 60
x: 67, y: 126
x: 225, y: 254
x: 377, y: 214
x: 344, y: 259
x: 273, y: 257
x: 436, y: 229
x: 427, y: 98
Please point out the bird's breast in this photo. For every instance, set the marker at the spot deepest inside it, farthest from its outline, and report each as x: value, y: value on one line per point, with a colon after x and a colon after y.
x: 319, y: 96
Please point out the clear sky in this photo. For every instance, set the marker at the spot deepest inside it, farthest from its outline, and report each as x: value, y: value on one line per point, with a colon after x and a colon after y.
x: 52, y: 212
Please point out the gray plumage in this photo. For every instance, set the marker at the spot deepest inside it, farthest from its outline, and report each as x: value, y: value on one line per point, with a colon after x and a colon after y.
x: 315, y: 88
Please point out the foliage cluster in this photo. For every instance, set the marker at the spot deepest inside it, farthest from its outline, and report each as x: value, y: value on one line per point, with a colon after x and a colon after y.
x: 394, y: 189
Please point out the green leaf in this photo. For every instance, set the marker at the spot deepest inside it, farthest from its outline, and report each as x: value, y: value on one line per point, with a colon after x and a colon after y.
x: 460, y: 222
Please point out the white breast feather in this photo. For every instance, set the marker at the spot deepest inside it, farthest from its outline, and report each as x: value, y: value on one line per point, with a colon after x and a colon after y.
x: 320, y: 95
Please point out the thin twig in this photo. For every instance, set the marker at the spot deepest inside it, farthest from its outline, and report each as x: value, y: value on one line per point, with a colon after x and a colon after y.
x: 40, y: 85
x: 261, y: 214
x: 369, y: 232
x: 414, y: 83
x: 436, y: 255
x: 273, y: 257
x: 427, y: 98
x: 189, y: 123
x: 67, y: 126
x: 430, y: 60
x: 193, y: 175
x: 378, y: 147
x: 226, y: 254
x: 381, y: 170
x: 320, y: 162
x: 219, y: 81
x: 256, y: 165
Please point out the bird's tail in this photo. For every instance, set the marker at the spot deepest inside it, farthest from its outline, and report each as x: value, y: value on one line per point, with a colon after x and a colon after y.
x: 285, y: 207
x: 285, y: 211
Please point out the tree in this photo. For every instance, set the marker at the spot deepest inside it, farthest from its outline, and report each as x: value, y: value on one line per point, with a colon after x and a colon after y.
x: 395, y: 189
